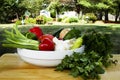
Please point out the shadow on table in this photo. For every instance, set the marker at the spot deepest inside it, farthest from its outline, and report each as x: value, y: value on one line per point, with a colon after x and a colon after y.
x: 4, y: 50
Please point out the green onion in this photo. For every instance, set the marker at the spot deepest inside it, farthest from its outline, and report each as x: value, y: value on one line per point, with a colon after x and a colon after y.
x: 16, y: 39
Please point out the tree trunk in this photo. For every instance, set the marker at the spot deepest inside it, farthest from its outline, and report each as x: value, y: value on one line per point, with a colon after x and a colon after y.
x: 116, y: 16
x: 56, y: 15
x: 77, y: 7
x: 106, y: 15
x: 117, y: 13
x: 100, y: 15
x: 17, y: 16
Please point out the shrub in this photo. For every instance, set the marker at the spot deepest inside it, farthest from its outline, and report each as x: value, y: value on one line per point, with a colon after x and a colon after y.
x: 18, y: 22
x: 59, y: 19
x: 41, y: 19
x: 91, y: 16
x: 66, y: 20
x: 53, y: 14
x: 73, y: 19
x: 70, y: 20
x: 30, y: 21
x: 49, y: 19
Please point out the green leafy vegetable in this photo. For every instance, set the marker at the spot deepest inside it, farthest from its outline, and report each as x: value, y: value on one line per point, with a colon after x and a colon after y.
x: 86, y: 65
x: 16, y: 39
x: 100, y: 43
x: 97, y: 55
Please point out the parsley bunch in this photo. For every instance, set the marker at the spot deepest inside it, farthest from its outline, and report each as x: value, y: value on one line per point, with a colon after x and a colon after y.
x: 100, y: 43
x: 91, y: 63
x: 86, y: 65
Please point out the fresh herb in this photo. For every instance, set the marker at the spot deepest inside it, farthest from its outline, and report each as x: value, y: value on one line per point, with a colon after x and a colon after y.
x: 100, y: 43
x: 16, y: 39
x: 86, y: 65
x: 92, y: 62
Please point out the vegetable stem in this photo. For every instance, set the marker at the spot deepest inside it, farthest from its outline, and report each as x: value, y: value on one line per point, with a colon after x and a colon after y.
x: 16, y: 39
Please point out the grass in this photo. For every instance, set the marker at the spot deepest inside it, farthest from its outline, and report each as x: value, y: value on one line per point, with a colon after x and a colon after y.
x: 112, y: 29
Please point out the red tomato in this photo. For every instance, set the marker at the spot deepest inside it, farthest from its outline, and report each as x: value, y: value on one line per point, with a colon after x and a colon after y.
x: 47, y: 45
x: 43, y: 47
x: 49, y: 36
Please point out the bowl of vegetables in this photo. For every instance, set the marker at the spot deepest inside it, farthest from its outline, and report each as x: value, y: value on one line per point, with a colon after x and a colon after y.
x: 45, y: 58
x: 41, y: 49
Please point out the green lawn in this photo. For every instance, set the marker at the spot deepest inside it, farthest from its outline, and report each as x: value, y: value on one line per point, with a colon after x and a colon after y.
x: 112, y: 29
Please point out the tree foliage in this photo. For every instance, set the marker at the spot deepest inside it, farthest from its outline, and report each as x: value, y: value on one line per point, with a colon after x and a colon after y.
x: 34, y: 6
x: 99, y: 7
x: 55, y: 7
x: 11, y: 9
x: 84, y: 3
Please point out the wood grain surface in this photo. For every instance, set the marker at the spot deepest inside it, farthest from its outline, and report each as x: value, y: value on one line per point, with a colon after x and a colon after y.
x: 13, y: 68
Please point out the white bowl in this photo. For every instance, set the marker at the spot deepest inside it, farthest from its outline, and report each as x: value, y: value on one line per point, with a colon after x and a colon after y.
x: 45, y: 58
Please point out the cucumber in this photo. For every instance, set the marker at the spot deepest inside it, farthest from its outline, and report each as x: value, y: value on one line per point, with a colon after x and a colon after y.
x: 56, y: 34
x: 73, y: 33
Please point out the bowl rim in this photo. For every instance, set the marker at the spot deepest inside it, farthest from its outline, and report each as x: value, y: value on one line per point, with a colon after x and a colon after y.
x: 46, y: 55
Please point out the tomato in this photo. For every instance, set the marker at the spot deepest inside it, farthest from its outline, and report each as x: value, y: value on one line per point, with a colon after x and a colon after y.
x: 49, y: 36
x: 47, y: 45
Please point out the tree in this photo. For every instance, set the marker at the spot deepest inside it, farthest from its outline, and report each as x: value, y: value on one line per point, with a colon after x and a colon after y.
x: 105, y: 5
x: 98, y: 7
x: 34, y: 6
x: 116, y: 8
x: 55, y: 7
x: 9, y: 10
x: 82, y: 5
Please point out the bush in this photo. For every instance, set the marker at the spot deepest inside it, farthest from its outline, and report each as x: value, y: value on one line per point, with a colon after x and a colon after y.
x: 65, y: 20
x: 41, y: 19
x: 30, y: 21
x: 53, y: 14
x: 49, y: 19
x: 59, y: 19
x: 91, y: 17
x: 70, y: 20
x: 18, y: 22
x: 73, y: 19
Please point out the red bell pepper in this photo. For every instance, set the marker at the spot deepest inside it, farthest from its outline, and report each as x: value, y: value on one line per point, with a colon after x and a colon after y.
x: 37, y: 31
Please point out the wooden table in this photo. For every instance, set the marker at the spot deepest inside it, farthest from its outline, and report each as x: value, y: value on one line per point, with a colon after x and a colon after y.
x: 13, y: 68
